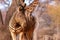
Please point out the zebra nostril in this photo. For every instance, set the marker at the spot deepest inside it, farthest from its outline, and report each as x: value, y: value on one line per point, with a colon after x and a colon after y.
x: 17, y: 25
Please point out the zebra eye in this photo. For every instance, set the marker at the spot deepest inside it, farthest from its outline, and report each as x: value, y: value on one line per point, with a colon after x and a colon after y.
x: 20, y: 8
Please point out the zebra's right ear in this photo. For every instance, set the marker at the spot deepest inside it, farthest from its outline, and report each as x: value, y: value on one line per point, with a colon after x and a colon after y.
x: 32, y: 7
x: 25, y: 5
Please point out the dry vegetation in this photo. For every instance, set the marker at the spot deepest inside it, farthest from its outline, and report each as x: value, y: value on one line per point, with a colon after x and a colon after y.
x: 47, y: 26
x: 52, y: 31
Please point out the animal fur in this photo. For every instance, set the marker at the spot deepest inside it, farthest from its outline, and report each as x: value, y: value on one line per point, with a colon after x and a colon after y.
x: 21, y: 25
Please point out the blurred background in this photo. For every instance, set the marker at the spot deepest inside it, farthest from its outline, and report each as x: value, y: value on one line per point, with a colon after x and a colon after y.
x: 53, y: 10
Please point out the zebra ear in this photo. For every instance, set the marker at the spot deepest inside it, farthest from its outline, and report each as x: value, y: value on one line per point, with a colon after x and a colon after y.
x: 24, y: 5
x: 32, y: 6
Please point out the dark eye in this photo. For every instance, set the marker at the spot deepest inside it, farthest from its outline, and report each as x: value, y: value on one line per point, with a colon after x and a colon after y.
x: 20, y: 8
x: 17, y: 25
